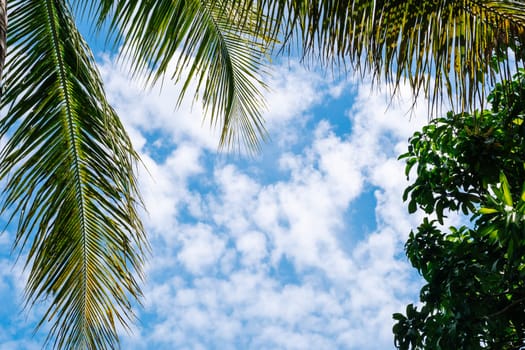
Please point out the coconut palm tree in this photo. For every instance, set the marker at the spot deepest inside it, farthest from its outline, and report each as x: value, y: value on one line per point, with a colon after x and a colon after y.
x: 67, y: 164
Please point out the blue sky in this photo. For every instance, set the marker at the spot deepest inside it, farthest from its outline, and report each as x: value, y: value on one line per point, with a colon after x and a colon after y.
x: 299, y: 247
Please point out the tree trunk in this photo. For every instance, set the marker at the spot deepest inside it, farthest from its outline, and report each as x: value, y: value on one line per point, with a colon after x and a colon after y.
x: 3, y: 39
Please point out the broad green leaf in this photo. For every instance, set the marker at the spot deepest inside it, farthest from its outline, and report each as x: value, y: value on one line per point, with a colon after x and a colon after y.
x: 487, y: 211
x: 412, y: 207
x: 398, y: 317
x: 507, y: 197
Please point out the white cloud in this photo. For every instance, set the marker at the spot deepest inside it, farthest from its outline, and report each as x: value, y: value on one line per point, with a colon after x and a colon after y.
x: 200, y: 248
x: 252, y: 246
x: 147, y: 110
x: 5, y: 238
x: 244, y: 262
x: 16, y: 330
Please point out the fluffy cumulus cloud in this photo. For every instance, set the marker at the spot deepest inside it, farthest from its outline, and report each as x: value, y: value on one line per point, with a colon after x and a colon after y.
x: 16, y: 328
x: 263, y: 252
x: 258, y: 253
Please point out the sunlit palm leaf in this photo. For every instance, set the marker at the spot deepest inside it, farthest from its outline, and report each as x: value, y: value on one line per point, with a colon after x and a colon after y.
x: 68, y: 165
x: 440, y: 47
x: 210, y: 43
x: 443, y: 49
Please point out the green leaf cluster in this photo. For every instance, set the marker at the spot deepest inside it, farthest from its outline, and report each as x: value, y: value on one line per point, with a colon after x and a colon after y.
x: 474, y: 296
x: 457, y: 157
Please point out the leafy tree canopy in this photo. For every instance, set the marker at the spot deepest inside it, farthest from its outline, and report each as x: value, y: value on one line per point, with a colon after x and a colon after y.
x: 474, y: 296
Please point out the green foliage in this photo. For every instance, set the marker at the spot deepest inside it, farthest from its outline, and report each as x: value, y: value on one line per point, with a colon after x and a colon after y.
x: 457, y: 157
x: 474, y: 296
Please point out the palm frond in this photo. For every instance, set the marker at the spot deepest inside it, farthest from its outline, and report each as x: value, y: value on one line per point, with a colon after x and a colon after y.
x: 443, y: 48
x: 214, y: 44
x: 69, y: 167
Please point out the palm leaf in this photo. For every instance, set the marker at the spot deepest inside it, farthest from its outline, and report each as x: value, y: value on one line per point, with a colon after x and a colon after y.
x: 442, y: 48
x: 68, y: 165
x: 211, y: 43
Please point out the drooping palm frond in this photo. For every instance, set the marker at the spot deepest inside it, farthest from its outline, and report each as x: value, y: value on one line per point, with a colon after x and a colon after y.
x: 443, y: 48
x: 68, y: 166
x: 213, y: 44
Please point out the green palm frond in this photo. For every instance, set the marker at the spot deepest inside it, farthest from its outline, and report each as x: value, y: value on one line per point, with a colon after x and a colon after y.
x: 68, y: 166
x: 214, y: 44
x: 442, y: 48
